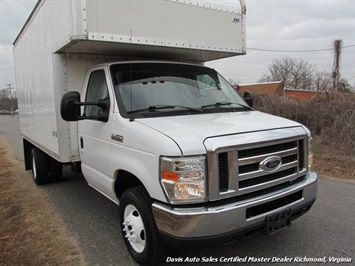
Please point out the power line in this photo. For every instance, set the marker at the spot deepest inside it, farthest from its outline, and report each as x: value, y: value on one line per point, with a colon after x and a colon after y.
x: 296, y: 51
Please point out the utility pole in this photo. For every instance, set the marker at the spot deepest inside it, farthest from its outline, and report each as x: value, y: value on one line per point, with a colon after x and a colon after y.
x: 12, y: 102
x: 336, y: 65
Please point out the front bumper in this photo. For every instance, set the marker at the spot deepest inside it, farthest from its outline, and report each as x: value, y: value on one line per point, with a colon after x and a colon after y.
x: 217, y: 221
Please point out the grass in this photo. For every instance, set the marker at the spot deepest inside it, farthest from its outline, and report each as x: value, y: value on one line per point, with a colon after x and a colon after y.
x: 331, y: 120
x: 31, y: 233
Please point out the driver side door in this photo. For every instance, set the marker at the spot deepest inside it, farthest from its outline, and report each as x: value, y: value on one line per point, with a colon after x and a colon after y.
x: 94, y: 135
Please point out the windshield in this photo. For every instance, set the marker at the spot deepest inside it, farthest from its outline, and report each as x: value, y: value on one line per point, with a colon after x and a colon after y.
x: 161, y: 88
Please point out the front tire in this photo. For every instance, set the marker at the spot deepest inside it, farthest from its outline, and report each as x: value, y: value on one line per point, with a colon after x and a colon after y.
x: 39, y: 162
x: 139, y: 229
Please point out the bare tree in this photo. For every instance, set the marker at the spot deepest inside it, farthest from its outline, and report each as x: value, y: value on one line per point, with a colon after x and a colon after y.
x: 344, y: 86
x: 4, y: 93
x: 233, y: 81
x: 323, y: 81
x: 296, y: 73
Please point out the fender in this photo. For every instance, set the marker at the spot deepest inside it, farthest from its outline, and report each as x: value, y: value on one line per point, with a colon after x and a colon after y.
x: 140, y: 155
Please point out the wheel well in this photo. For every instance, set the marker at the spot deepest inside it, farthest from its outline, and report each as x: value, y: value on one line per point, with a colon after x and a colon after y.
x: 124, y: 181
x: 27, y: 147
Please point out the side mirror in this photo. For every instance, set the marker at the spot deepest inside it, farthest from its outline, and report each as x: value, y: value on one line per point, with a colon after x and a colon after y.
x: 248, y: 98
x: 104, y: 104
x: 249, y: 101
x: 70, y: 106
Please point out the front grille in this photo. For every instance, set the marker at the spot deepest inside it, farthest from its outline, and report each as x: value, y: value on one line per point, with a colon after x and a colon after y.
x: 266, y: 149
x: 267, y: 178
x: 251, y: 168
x: 223, y: 171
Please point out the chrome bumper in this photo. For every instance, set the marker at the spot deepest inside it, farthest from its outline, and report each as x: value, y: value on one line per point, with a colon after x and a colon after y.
x: 205, y: 222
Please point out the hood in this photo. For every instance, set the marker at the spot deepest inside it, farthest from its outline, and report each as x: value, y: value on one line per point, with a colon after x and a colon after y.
x: 189, y: 132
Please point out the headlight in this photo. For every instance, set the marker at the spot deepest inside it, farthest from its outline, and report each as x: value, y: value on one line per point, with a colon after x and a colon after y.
x: 310, y: 152
x: 184, y: 178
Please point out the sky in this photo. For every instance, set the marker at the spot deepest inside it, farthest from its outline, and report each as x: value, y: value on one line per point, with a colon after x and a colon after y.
x: 287, y: 27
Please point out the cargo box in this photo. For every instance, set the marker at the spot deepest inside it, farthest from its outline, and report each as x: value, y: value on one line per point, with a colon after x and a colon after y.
x: 164, y: 29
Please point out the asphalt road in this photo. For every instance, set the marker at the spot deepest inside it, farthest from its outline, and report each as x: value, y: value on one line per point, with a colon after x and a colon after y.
x: 327, y: 230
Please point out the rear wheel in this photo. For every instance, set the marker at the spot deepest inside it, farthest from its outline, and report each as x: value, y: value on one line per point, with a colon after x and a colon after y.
x: 138, y: 227
x: 40, y: 173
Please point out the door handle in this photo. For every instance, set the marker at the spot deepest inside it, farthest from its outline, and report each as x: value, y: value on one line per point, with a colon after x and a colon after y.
x: 117, y: 137
x: 81, y: 143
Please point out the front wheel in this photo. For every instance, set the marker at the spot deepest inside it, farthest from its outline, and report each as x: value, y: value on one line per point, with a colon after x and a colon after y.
x: 138, y: 228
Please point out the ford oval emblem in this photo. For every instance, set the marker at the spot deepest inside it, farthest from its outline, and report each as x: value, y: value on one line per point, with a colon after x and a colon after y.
x: 271, y: 163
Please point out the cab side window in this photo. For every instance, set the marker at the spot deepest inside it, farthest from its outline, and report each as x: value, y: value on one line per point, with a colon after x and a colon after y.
x: 97, y: 90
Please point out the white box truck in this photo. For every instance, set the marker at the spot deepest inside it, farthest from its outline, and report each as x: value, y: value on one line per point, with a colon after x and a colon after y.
x: 119, y: 90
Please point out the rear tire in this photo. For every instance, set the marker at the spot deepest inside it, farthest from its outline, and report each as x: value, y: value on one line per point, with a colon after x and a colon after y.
x: 138, y: 227
x: 39, y: 162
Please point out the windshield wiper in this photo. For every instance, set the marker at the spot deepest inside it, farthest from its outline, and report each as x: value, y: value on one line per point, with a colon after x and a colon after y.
x: 219, y: 104
x: 154, y: 108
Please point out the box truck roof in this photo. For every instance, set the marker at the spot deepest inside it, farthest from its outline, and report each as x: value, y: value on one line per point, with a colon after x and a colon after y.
x: 198, y: 31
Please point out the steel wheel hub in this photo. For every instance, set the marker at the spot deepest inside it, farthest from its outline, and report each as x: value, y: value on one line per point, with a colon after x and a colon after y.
x: 134, y: 228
